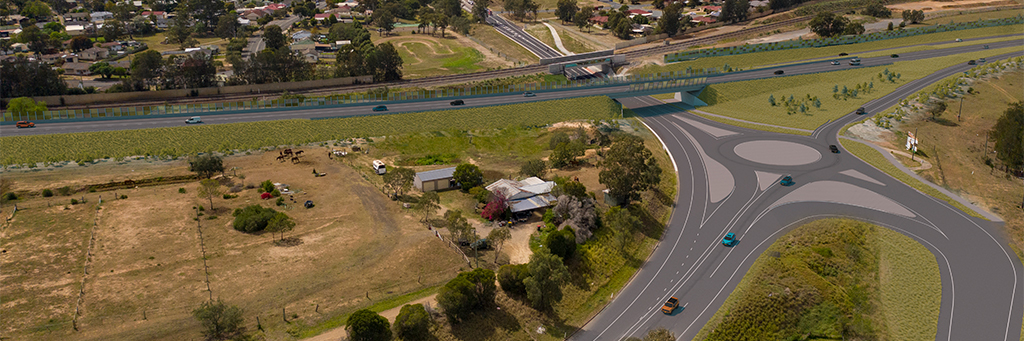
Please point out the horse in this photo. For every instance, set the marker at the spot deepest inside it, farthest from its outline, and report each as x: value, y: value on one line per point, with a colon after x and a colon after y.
x: 298, y: 153
x: 281, y: 158
x: 295, y: 159
x: 288, y: 151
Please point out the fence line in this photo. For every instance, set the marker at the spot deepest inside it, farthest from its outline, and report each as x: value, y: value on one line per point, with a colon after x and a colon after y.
x: 452, y: 245
x: 202, y: 247
x: 85, y: 267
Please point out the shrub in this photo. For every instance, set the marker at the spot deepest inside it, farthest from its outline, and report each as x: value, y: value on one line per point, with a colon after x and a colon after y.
x: 366, y: 325
x: 549, y: 216
x: 252, y: 218
x: 181, y: 190
x: 467, y: 176
x: 275, y: 193
x: 511, y: 278
x: 74, y: 201
x: 124, y: 196
x: 230, y: 196
x: 412, y: 323
x: 47, y: 193
x: 533, y: 168
x: 10, y: 196
x: 267, y: 186
x: 561, y: 243
x: 467, y: 292
x: 219, y: 320
x: 482, y: 195
x: 65, y: 191
x: 280, y: 201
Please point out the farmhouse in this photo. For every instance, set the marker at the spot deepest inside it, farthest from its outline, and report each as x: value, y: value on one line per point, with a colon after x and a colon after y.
x: 435, y: 180
x: 525, y: 195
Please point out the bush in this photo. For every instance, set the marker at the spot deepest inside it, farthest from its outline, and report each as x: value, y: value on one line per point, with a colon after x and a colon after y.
x: 280, y: 201
x: 561, y: 243
x: 557, y: 138
x: 74, y: 201
x: 124, y: 196
x: 533, y: 168
x: 467, y: 176
x: 467, y: 292
x: 47, y: 193
x: 219, y: 320
x: 10, y: 196
x: 230, y: 196
x: 181, y: 190
x: 366, y: 325
x: 482, y: 195
x: 549, y: 216
x: 267, y: 186
x: 275, y: 193
x: 252, y: 218
x: 65, y: 191
x: 511, y: 278
x: 412, y: 323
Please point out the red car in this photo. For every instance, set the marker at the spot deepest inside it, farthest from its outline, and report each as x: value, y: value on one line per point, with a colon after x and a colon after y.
x: 25, y: 124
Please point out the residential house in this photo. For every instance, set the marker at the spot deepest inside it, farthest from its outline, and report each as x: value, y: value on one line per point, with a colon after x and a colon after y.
x: 435, y: 180
x: 157, y: 14
x: 321, y: 16
x: 163, y: 24
x: 274, y: 7
x: 636, y: 11
x: 74, y: 30
x: 80, y: 16
x: 254, y: 14
x: 95, y: 53
x: 343, y: 10
x: 52, y: 58
x: 19, y: 47
x: 698, y: 21
x: 758, y: 3
x: 98, y: 17
x: 112, y: 46
x: 245, y: 22
x: 303, y: 46
x: 525, y: 195
x: 601, y: 20
x: 709, y: 9
x: 300, y: 35
x: 9, y: 31
x: 77, y: 69
x: 311, y: 56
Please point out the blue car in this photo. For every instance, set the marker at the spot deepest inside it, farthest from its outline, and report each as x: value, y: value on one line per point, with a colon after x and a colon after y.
x: 729, y: 240
x: 380, y: 108
x: 787, y: 181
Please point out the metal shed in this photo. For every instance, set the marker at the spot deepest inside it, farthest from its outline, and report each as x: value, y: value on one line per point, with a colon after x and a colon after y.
x: 435, y: 180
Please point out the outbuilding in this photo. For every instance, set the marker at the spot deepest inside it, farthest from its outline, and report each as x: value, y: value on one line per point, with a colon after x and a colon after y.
x: 435, y: 180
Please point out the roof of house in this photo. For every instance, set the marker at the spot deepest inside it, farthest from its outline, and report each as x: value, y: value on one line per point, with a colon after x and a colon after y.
x: 321, y: 16
x: 703, y: 19
x: 533, y: 202
x: 600, y: 19
x: 436, y: 174
x: 76, y: 66
x: 639, y: 11
x: 712, y: 8
x: 522, y: 189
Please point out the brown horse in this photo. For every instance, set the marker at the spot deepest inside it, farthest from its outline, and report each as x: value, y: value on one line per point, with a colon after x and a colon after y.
x: 288, y: 151
x: 298, y: 153
x: 281, y: 158
x: 295, y: 159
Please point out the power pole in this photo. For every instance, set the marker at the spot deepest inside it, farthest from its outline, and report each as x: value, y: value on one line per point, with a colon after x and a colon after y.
x: 961, y: 109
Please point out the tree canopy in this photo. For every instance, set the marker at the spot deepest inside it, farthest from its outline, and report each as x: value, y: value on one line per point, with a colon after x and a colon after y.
x: 399, y: 179
x: 827, y: 24
x: 547, y: 274
x: 366, y: 325
x: 253, y: 218
x: 219, y: 320
x: 467, y: 292
x: 467, y: 175
x: 206, y: 166
x: 566, y: 10
x: 412, y: 323
x: 629, y: 169
x: 1009, y: 135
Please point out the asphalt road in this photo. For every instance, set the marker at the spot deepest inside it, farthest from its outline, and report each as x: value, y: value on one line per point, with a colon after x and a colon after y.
x: 729, y: 191
x: 517, y: 34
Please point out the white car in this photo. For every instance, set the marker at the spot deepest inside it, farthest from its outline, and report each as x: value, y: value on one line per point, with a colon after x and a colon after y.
x: 194, y: 119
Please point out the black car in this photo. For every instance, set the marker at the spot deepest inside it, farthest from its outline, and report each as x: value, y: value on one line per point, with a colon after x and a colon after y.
x: 861, y: 111
x: 308, y: 204
x: 779, y: 72
x: 458, y: 102
x: 971, y: 62
x: 844, y: 54
x: 833, y: 149
x: 894, y: 55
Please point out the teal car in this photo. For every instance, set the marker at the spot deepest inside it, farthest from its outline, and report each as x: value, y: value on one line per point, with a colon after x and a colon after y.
x: 729, y: 240
x: 380, y: 108
x: 787, y: 181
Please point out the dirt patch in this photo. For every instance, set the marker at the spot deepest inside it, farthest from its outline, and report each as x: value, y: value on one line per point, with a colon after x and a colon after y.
x: 939, y: 5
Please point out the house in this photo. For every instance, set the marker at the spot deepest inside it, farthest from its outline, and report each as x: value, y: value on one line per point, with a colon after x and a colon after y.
x: 77, y: 69
x: 300, y: 35
x: 100, y: 16
x: 163, y: 24
x: 344, y: 10
x: 636, y: 12
x: 697, y: 21
x: 245, y: 22
x: 321, y: 16
x: 435, y: 180
x: 112, y: 46
x: 311, y: 56
x: 19, y: 47
x: 80, y: 16
x: 75, y: 30
x: 599, y: 20
x: 95, y: 53
x: 303, y: 46
x: 157, y: 14
x: 758, y: 3
x: 9, y: 31
x: 709, y: 9
x: 52, y: 58
x: 255, y: 14
x: 277, y: 6
x: 525, y: 195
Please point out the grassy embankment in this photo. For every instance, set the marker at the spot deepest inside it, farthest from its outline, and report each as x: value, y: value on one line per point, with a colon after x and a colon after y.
x: 501, y: 44
x: 833, y: 279
x: 427, y: 57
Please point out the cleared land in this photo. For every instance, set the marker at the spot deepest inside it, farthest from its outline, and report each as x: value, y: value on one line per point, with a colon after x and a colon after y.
x: 831, y: 278
x: 500, y: 44
x: 427, y: 56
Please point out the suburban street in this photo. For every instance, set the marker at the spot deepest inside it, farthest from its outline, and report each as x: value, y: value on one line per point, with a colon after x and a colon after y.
x: 728, y: 182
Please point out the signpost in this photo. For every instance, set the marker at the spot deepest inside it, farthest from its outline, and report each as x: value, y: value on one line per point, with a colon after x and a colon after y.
x: 912, y: 144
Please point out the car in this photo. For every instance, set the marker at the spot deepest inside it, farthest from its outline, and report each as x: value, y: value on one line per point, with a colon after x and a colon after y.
x: 844, y: 54
x: 861, y: 111
x: 981, y: 60
x: 959, y: 40
x: 25, y: 124
x: 380, y: 108
x: 894, y: 55
x: 971, y: 62
x: 458, y: 102
x: 194, y: 119
x: 528, y: 94
x: 833, y: 149
x: 855, y: 61
x: 835, y: 62
x: 787, y: 181
x: 308, y: 204
x: 670, y: 305
x: 729, y: 240
x: 480, y: 244
x: 985, y: 47
x: 779, y: 72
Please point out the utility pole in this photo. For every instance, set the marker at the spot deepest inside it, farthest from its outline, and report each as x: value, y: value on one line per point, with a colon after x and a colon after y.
x: 961, y: 109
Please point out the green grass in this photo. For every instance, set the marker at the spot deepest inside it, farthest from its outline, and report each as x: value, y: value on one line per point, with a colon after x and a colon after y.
x: 750, y: 60
x: 542, y: 33
x: 181, y: 141
x: 502, y: 44
x: 876, y: 159
x: 748, y: 100
x: 435, y: 57
x: 972, y: 17
x: 571, y: 44
x: 302, y: 331
x: 830, y: 277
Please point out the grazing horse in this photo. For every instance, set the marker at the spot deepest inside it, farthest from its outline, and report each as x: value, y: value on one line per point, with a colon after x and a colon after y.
x: 288, y: 151
x: 281, y: 158
x: 298, y: 153
x: 295, y: 159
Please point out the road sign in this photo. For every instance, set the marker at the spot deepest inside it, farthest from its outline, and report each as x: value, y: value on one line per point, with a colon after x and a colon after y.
x: 911, y: 142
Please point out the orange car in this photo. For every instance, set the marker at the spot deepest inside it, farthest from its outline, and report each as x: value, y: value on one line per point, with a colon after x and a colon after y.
x: 670, y: 306
x: 25, y: 124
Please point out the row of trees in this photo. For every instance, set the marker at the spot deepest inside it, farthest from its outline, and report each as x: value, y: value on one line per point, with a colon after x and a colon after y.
x: 828, y: 24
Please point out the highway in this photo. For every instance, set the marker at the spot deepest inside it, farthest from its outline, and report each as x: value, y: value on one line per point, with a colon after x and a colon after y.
x: 728, y: 182
x: 518, y: 35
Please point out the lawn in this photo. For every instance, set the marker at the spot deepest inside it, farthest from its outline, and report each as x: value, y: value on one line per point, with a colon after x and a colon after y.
x: 426, y: 56
x: 542, y: 33
x: 834, y: 270
x: 753, y: 60
x: 501, y: 44
x: 572, y: 44
x: 749, y: 100
x: 153, y: 41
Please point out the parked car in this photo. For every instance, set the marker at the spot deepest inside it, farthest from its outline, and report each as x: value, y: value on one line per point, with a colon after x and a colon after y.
x: 528, y: 94
x: 894, y: 55
x: 480, y: 244
x: 835, y: 62
x: 729, y: 240
x: 844, y: 54
x: 861, y: 111
x: 779, y: 72
x: 194, y: 119
x: 308, y: 204
x: 787, y: 181
x: 25, y: 124
x: 833, y: 149
x: 380, y: 108
x: 971, y: 62
x: 670, y: 305
x: 457, y: 102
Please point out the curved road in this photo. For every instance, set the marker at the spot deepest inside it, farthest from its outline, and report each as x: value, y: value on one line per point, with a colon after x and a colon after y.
x: 728, y: 183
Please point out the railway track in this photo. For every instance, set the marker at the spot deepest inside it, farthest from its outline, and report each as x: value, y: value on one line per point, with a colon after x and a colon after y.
x: 450, y: 79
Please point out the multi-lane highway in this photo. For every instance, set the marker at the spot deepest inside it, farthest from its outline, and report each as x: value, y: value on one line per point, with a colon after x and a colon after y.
x: 517, y: 34
x: 728, y: 182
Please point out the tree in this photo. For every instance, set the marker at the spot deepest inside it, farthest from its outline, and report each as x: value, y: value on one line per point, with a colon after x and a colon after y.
x: 37, y: 41
x: 827, y: 24
x: 1009, y: 135
x: 385, y: 20
x: 386, y: 63
x: 467, y: 176
x: 937, y: 110
x: 366, y: 325
x: 428, y: 205
x: 582, y: 18
x: 890, y: 26
x: 206, y: 166
x: 23, y: 105
x: 565, y: 154
x: 147, y: 67
x: 459, y: 229
x: 561, y: 243
x: 412, y: 323
x: 399, y: 179
x: 227, y: 26
x: 480, y: 10
x: 280, y: 223
x: 80, y: 43
x: 877, y: 10
x: 547, y: 274
x: 112, y: 30
x: 629, y: 169
x: 190, y: 72
x: 658, y: 4
x: 624, y: 224
x: 570, y: 188
x: 533, y: 168
x: 566, y: 9
x: 450, y: 8
x: 498, y: 236
x: 24, y: 78
x: 252, y: 218
x: 180, y: 33
x: 35, y: 9
x: 461, y: 24
x: 206, y: 12
x: 913, y: 16
x: 219, y: 320
x: 511, y: 277
x: 102, y: 68
x: 274, y: 37
x: 457, y: 298
x: 209, y: 188
x: 735, y: 10
x: 622, y: 27
x: 853, y: 28
x: 440, y: 21
x: 669, y: 21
